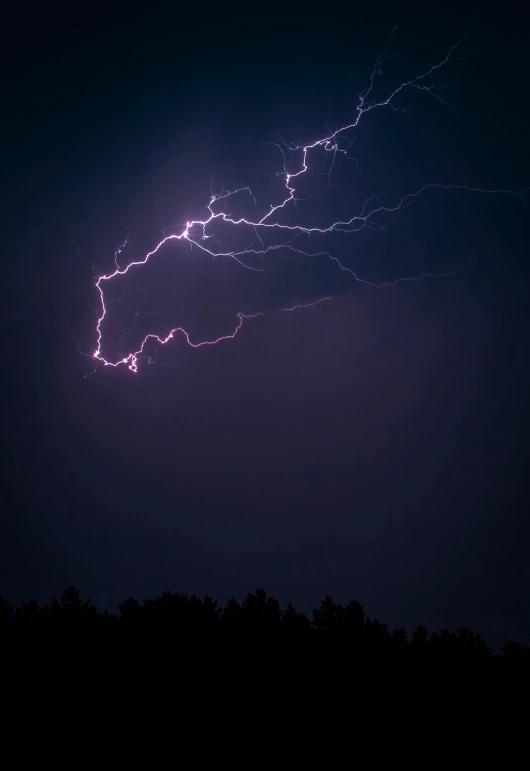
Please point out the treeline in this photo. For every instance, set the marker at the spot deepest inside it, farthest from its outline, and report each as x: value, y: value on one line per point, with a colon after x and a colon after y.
x: 259, y: 618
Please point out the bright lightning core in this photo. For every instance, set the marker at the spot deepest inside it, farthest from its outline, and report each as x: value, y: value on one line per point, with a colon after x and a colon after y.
x: 278, y: 226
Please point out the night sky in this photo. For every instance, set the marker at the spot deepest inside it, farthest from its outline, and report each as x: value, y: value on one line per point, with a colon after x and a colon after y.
x: 374, y: 447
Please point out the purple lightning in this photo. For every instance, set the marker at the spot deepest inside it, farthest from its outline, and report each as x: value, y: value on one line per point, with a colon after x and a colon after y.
x: 196, y: 231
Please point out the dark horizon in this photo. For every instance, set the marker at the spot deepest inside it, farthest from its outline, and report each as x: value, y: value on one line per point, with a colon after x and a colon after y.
x: 177, y: 619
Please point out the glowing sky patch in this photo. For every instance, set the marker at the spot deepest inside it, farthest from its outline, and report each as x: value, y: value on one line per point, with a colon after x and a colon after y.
x: 198, y: 232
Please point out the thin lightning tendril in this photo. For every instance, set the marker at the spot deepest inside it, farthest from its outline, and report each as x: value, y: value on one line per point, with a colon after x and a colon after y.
x: 195, y: 231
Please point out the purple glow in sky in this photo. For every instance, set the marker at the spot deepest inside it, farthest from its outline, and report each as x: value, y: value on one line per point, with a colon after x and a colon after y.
x: 198, y: 232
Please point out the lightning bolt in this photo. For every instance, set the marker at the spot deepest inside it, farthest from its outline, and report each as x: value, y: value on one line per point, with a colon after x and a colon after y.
x: 198, y: 232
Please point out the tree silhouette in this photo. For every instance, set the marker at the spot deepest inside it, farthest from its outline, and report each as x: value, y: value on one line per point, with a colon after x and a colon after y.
x: 336, y: 633
x: 6, y: 611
